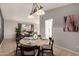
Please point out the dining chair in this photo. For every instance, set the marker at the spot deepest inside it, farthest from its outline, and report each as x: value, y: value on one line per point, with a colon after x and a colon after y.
x: 30, y: 50
x: 18, y: 38
x: 17, y: 45
x: 48, y: 48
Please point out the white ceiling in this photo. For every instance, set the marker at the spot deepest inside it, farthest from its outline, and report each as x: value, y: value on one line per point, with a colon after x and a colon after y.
x: 21, y: 10
x: 48, y: 6
x: 27, y: 6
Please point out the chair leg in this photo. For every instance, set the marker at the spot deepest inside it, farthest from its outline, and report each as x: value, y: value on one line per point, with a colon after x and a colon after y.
x: 16, y: 50
x: 52, y: 53
x: 42, y: 52
x: 22, y: 52
x: 38, y: 50
x: 33, y: 52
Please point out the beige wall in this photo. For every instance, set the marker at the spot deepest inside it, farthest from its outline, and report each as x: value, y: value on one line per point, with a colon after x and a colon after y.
x: 69, y: 40
x: 17, y: 13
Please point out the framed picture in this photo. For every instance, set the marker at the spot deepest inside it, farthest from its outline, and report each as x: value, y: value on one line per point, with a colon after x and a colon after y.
x: 70, y: 23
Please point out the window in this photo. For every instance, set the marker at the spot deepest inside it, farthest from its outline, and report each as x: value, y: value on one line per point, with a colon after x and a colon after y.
x: 48, y: 28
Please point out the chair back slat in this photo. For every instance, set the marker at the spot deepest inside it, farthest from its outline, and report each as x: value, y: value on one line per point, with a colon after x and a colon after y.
x: 51, y: 41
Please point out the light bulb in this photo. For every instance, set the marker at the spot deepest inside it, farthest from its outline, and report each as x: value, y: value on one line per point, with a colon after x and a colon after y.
x: 40, y: 12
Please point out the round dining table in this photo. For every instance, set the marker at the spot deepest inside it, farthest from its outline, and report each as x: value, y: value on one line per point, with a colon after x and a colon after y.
x: 34, y: 42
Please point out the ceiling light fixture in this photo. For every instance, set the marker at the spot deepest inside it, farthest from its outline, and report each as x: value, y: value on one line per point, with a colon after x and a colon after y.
x: 36, y: 9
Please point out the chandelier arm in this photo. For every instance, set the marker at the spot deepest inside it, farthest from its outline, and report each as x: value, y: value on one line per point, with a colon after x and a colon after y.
x: 35, y: 8
x: 32, y: 10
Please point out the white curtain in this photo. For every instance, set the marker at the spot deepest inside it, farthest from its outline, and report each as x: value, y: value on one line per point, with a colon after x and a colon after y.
x: 48, y: 28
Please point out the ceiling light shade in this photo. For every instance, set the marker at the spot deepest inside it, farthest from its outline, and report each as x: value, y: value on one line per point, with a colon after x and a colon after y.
x: 40, y: 12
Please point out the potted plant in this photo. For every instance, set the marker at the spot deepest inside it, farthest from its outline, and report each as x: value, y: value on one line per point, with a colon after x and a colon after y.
x: 18, y: 30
